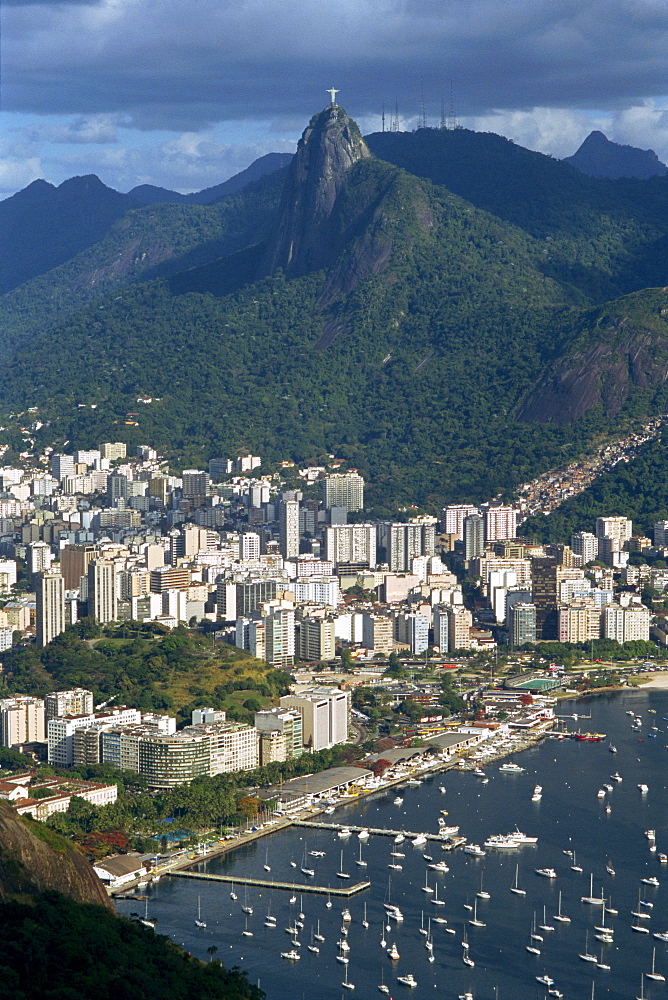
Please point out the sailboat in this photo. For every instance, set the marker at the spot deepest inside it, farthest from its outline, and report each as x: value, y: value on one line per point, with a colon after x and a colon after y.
x: 604, y: 932
x: 347, y: 985
x: 642, y: 987
x: 591, y: 898
x: 270, y: 920
x: 466, y: 958
x: 382, y: 987
x: 575, y: 866
x: 561, y: 917
x: 266, y: 864
x: 600, y: 964
x: 383, y: 941
x: 482, y: 893
x: 318, y: 936
x: 341, y: 873
x: 145, y: 920
x: 246, y: 932
x: 435, y: 900
x: 474, y: 922
x: 233, y: 894
x: 532, y: 947
x: 246, y: 908
x: 360, y: 861
x: 305, y: 866
x: 545, y: 926
x: 515, y: 887
x: 312, y: 946
x: 586, y: 955
x: 657, y: 976
x: 328, y: 904
x: 365, y: 922
x: 199, y: 922
x: 426, y: 887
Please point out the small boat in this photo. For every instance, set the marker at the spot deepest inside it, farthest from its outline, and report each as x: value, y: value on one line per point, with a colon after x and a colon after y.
x: 266, y: 865
x: 545, y: 926
x: 537, y: 793
x: 308, y: 871
x: 650, y: 834
x: 600, y: 793
x: 652, y: 880
x: 612, y: 748
x: 347, y: 985
x: 291, y: 956
x: 245, y: 931
x: 407, y: 980
x: 616, y: 776
x: 393, y: 952
x: 344, y: 832
x: 546, y: 872
x: 609, y: 868
x: 382, y: 988
x: 345, y: 916
x: 474, y: 921
x: 363, y: 835
x: 515, y: 887
x: 233, y: 894
x: 643, y: 788
x: 511, y: 768
x: 475, y: 849
x: 419, y: 840
x: 398, y: 802
x: 663, y: 859
x: 545, y: 980
x: 559, y: 916
x: 575, y: 867
x: 360, y: 861
x: 317, y: 854
x: 199, y: 922
x: 399, y: 839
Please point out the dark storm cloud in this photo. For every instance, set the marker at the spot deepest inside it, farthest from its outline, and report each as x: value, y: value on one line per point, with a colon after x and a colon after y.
x: 177, y: 65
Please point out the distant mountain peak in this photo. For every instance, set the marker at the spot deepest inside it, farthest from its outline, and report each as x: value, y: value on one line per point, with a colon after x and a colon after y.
x: 599, y: 156
x: 331, y: 144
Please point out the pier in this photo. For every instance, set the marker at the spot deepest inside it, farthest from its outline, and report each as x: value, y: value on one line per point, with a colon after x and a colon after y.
x: 434, y: 838
x: 265, y: 883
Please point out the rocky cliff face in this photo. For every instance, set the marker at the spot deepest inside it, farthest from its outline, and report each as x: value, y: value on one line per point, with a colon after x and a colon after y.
x: 32, y: 862
x: 625, y: 348
x: 305, y: 238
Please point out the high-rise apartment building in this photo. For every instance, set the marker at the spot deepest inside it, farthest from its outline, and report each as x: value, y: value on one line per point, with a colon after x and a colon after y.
x: 103, y: 590
x: 21, y: 720
x: 343, y: 489
x: 74, y: 562
x: 39, y: 557
x: 50, y: 606
x: 453, y: 517
x: 460, y: 621
x: 249, y: 546
x: 474, y: 537
x: 316, y: 639
x: 279, y: 638
x: 585, y: 544
x: 377, y: 633
x: 195, y: 483
x: 405, y: 542
x: 546, y: 578
x: 614, y: 527
x: 579, y: 623
x: 77, y: 701
x: 351, y: 545
x: 288, y: 528
x: 500, y: 522
x: 287, y: 722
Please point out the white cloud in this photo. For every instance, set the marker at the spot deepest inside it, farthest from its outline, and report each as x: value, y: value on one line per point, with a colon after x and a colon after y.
x: 16, y: 174
x: 555, y: 131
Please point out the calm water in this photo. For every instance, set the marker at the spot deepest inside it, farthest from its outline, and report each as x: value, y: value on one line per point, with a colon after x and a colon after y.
x: 569, y: 816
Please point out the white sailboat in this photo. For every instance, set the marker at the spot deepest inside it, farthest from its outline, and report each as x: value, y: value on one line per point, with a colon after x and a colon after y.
x: 435, y: 900
x: 318, y: 936
x: 245, y: 931
x: 199, y: 922
x: 347, y: 985
x: 532, y: 947
x: 586, y: 955
x: 266, y: 864
x: 233, y: 894
x: 360, y: 861
x: 474, y: 922
x: 656, y: 976
x: 559, y: 916
x: 482, y: 893
x: 382, y: 987
x: 341, y: 873
x: 365, y: 922
x: 591, y: 898
x: 545, y: 926
x: 515, y: 887
x: 246, y: 907
x: 575, y: 867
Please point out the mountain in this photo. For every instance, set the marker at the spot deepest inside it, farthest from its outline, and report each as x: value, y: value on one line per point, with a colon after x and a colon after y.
x: 148, y: 194
x: 424, y: 305
x: 34, y: 858
x: 610, y: 351
x: 43, y: 226
x: 598, y: 156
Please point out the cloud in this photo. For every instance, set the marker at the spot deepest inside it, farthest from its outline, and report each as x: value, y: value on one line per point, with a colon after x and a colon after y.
x: 16, y: 174
x: 100, y: 72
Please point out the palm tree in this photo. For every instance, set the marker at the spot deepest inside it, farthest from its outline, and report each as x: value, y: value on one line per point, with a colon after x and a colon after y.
x: 211, y: 951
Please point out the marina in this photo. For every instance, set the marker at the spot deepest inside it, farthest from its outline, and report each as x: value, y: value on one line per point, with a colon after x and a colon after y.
x: 384, y: 922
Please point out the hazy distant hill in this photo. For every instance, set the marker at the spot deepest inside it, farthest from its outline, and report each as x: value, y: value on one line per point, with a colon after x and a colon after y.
x: 148, y: 194
x: 421, y: 312
x: 43, y: 226
x: 598, y: 156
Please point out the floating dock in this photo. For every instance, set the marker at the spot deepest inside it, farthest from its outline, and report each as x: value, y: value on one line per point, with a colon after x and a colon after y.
x: 433, y: 838
x: 265, y: 883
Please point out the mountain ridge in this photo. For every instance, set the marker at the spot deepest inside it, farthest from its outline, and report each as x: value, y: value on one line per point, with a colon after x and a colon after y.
x: 599, y: 156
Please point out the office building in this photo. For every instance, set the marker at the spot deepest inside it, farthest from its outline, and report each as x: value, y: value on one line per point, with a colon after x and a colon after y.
x: 522, y: 624
x: 343, y: 489
x: 21, y: 720
x: 50, y: 606
x: 324, y: 713
x: 74, y: 562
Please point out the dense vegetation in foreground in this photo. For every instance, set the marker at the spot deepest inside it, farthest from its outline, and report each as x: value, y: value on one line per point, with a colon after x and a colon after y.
x: 58, y: 949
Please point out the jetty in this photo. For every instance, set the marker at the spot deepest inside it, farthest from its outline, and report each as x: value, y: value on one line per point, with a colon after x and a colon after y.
x: 448, y: 844
x: 265, y: 883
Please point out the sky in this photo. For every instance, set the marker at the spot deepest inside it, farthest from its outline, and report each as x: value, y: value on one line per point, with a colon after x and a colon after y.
x: 185, y: 93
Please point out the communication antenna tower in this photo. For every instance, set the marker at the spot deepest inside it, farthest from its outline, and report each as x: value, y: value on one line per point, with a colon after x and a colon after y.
x: 383, y: 117
x: 444, y: 120
x: 452, y: 118
x: 422, y: 118
x: 395, y: 123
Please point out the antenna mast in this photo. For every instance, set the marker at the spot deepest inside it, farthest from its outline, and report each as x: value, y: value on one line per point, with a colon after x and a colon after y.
x: 452, y: 118
x: 383, y: 116
x: 444, y: 120
x: 422, y: 119
x: 395, y: 123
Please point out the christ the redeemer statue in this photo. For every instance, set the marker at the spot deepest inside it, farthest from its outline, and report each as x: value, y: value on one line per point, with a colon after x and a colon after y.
x: 332, y: 93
